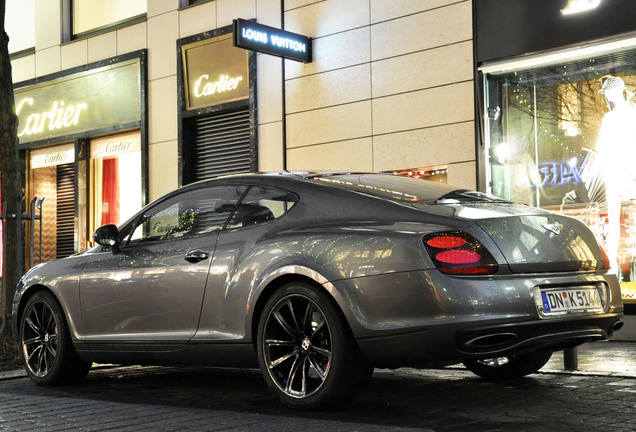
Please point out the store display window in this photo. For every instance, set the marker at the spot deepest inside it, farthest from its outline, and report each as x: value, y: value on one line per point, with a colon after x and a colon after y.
x: 115, y: 179
x: 563, y: 137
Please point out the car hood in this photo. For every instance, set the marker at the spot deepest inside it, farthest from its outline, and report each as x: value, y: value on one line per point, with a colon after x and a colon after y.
x: 532, y: 240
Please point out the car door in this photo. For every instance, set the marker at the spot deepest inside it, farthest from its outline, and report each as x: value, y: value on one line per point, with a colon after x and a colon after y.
x: 151, y: 290
x: 239, y: 260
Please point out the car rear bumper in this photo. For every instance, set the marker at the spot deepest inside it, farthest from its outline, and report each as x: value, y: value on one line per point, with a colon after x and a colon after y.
x: 444, y: 345
x: 514, y: 338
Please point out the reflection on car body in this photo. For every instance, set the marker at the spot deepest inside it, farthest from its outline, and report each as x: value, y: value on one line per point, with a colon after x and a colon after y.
x: 317, y: 279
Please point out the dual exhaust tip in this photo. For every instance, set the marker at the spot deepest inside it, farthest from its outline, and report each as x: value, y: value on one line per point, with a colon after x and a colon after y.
x: 617, y: 325
x: 499, y: 339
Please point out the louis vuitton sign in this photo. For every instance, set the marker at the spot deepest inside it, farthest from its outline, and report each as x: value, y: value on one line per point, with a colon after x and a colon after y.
x: 270, y: 40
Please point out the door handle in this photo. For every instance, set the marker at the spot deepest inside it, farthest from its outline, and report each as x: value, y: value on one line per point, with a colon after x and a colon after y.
x: 194, y: 256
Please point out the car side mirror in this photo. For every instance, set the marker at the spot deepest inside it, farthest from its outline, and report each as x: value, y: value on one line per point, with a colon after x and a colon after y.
x: 107, y: 235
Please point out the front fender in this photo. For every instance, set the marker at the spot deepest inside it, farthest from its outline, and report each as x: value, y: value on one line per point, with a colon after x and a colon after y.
x: 61, y: 278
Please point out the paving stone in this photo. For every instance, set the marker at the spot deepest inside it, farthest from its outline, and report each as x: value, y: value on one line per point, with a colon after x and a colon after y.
x: 441, y: 400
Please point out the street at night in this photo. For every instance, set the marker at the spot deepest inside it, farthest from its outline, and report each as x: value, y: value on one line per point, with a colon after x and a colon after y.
x: 601, y: 396
x: 318, y: 215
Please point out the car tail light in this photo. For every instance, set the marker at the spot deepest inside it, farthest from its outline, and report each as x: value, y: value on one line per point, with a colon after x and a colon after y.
x: 458, y: 253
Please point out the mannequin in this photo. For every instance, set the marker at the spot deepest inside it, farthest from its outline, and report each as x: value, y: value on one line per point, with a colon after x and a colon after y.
x: 616, y: 149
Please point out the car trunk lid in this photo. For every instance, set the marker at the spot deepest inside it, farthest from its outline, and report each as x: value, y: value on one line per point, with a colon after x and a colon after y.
x: 533, y: 240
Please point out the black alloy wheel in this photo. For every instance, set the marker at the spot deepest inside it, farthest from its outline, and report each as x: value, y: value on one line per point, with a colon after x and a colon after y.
x: 46, y: 349
x: 307, y: 355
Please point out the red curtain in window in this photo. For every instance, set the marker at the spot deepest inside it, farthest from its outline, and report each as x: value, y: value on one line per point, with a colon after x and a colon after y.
x: 110, y: 191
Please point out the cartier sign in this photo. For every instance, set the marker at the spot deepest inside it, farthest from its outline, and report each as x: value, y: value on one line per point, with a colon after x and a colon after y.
x: 52, y: 156
x: 214, y: 72
x: 114, y: 145
x: 58, y: 118
x: 85, y: 101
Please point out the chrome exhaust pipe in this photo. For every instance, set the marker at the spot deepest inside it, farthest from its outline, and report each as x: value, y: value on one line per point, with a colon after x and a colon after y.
x: 617, y: 325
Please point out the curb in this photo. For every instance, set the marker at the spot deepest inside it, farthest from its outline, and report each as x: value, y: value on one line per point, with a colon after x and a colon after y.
x: 12, y: 374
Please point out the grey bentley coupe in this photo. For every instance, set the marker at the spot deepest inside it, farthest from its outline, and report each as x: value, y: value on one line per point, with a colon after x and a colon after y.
x: 318, y: 279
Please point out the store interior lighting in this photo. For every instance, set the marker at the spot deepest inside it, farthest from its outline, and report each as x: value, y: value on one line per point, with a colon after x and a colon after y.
x: 578, y: 6
x: 438, y: 173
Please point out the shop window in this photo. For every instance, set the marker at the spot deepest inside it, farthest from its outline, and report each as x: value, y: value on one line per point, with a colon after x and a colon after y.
x: 19, y: 23
x: 563, y: 137
x: 96, y: 14
x: 115, y: 177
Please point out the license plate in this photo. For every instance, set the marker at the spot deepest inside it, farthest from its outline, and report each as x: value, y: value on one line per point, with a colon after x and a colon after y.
x: 571, y: 299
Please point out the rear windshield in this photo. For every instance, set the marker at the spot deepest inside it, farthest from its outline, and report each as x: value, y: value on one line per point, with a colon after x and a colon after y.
x: 405, y: 189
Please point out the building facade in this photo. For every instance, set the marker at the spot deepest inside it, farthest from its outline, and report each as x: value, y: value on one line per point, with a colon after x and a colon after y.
x: 121, y: 102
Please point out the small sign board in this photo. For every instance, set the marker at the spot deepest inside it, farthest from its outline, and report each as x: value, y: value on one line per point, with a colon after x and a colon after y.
x: 270, y: 40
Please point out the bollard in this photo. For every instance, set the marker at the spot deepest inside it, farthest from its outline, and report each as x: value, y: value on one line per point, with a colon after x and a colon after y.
x: 570, y: 358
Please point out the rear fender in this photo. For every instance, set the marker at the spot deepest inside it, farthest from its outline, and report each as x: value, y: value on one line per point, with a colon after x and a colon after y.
x: 259, y: 296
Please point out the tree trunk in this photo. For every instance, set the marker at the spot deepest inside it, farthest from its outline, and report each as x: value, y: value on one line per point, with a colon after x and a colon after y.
x: 11, y: 194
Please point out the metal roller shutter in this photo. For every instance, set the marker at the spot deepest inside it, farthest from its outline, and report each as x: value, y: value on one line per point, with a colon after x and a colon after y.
x: 222, y: 144
x: 65, y: 210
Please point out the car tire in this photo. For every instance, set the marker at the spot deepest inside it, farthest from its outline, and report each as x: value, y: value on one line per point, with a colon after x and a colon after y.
x: 505, y: 368
x: 46, y: 349
x: 306, y: 352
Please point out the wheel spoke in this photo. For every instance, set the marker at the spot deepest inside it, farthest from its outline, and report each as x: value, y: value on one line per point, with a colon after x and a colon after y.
x: 323, y: 351
x: 52, y: 349
x: 31, y: 341
x: 298, y: 364
x: 273, y: 364
x: 36, y: 316
x: 283, y: 323
x: 307, y: 319
x: 50, y: 324
x: 33, y: 325
x: 322, y: 373
x: 275, y: 342
x: 33, y: 353
x: 41, y: 361
x: 292, y: 312
x: 321, y: 324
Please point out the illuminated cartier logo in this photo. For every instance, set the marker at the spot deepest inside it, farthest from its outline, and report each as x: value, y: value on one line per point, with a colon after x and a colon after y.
x: 202, y: 87
x: 59, y: 117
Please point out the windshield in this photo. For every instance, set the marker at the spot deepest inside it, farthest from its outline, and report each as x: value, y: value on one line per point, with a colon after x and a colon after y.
x: 405, y: 189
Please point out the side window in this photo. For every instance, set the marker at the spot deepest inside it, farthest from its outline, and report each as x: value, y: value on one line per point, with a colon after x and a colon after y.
x: 262, y: 204
x: 193, y: 213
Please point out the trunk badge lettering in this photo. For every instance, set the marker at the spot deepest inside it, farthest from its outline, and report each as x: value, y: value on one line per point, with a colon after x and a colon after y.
x: 554, y: 228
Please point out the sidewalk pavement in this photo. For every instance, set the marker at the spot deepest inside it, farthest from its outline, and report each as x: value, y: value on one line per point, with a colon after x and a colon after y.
x: 611, y: 358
